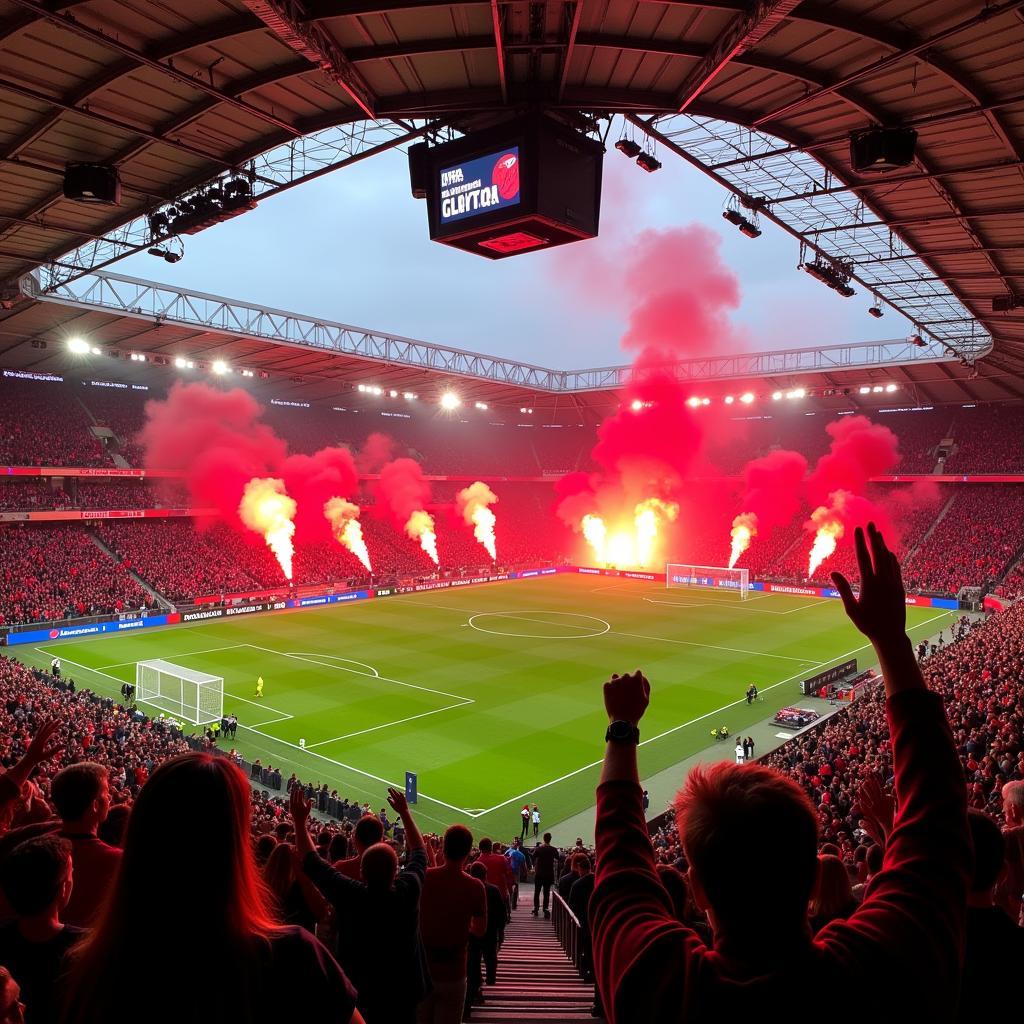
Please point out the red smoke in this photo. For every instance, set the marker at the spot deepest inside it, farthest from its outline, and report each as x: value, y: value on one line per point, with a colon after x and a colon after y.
x: 402, y: 489
x: 681, y: 296
x: 312, y: 480
x: 214, y: 438
x: 773, y: 488
x: 377, y: 449
x: 860, y: 450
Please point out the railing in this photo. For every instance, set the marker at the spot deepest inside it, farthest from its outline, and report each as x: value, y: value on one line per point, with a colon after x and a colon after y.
x: 568, y: 930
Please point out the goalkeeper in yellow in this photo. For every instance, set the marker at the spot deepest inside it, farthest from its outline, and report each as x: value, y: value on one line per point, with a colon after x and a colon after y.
x: 259, y: 687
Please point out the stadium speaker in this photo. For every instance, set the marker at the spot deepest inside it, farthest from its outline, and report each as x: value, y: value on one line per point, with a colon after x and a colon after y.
x: 878, y: 150
x: 92, y: 183
x: 419, y: 170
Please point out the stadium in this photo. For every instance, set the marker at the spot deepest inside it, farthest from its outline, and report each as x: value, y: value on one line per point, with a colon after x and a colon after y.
x: 555, y: 646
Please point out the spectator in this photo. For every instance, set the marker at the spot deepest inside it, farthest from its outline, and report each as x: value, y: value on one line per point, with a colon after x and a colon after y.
x: 485, y: 948
x: 579, y: 904
x: 1010, y: 892
x: 570, y: 876
x: 298, y: 901
x: 454, y: 908
x: 994, y: 947
x: 377, y: 919
x: 368, y: 832
x: 499, y: 871
x: 12, y: 1009
x: 190, y: 828
x: 545, y: 861
x: 833, y: 898
x: 900, y: 949
x: 36, y: 879
x: 81, y: 796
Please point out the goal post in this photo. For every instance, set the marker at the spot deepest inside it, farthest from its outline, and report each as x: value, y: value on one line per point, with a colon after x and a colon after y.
x: 196, y: 697
x: 708, y: 577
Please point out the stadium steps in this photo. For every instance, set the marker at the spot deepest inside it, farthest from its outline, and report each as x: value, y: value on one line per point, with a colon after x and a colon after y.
x: 931, y: 529
x: 537, y: 983
x: 161, y: 601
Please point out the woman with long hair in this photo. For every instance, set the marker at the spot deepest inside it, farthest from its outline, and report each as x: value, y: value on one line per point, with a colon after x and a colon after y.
x: 298, y: 901
x: 189, y: 912
x: 833, y: 897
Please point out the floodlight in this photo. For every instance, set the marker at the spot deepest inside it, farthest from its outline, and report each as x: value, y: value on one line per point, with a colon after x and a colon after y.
x: 79, y: 346
x: 729, y: 399
x: 220, y: 367
x: 776, y: 395
x: 747, y: 397
x: 892, y: 387
x: 450, y: 401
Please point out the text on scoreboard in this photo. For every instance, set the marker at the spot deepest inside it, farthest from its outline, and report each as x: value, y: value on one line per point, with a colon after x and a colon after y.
x: 480, y: 185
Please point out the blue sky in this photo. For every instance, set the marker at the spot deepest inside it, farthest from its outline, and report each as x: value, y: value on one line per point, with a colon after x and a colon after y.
x: 353, y: 246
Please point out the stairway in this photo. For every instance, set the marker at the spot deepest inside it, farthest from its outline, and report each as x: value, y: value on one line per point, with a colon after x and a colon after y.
x: 537, y: 983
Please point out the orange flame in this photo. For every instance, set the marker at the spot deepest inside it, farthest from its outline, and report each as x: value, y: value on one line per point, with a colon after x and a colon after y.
x: 421, y: 527
x: 267, y: 509
x: 344, y: 519
x: 473, y: 502
x: 830, y: 532
x: 744, y: 529
x: 647, y: 518
x: 596, y: 534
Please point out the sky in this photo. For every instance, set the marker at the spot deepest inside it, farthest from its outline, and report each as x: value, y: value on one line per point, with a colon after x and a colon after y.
x: 353, y: 246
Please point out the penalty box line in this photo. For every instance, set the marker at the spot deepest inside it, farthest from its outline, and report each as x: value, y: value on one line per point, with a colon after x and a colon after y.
x: 683, y: 725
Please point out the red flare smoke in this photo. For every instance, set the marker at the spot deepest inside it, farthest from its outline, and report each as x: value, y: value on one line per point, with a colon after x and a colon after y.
x: 473, y: 503
x: 313, y: 479
x: 405, y: 495
x: 859, y: 450
x: 376, y: 450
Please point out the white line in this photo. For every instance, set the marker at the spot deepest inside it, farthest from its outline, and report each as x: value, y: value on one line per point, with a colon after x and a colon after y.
x: 676, y: 728
x: 387, y: 725
x: 269, y: 721
x: 351, y: 768
x: 544, y: 622
x: 339, y: 668
x: 333, y: 657
x: 188, y: 654
x: 715, y: 647
x: 257, y: 704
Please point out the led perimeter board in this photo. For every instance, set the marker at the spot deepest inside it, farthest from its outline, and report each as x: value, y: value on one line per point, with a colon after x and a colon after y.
x: 524, y: 185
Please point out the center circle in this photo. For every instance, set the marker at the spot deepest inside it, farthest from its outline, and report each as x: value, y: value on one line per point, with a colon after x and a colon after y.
x: 518, y: 623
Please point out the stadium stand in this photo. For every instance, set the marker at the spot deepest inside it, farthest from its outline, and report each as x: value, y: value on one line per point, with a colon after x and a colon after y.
x: 988, y: 439
x: 57, y: 572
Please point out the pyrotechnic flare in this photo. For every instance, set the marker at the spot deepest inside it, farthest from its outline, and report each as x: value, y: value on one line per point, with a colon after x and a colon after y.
x: 648, y: 517
x: 420, y: 526
x: 473, y: 502
x: 830, y: 532
x: 267, y: 509
x: 595, y: 532
x: 344, y: 519
x: 744, y: 528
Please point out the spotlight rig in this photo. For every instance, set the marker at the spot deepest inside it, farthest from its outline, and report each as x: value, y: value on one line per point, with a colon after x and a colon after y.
x: 835, y: 275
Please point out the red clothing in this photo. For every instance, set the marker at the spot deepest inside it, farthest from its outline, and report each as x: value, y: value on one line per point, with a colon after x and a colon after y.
x: 94, y: 866
x: 499, y: 871
x: 1011, y: 885
x: 899, y: 952
x: 450, y: 901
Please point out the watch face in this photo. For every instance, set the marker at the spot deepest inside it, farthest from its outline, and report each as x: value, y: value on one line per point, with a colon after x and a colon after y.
x: 620, y: 731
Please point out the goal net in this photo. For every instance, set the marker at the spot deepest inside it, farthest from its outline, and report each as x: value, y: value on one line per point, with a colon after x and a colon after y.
x: 184, y: 693
x: 714, y: 577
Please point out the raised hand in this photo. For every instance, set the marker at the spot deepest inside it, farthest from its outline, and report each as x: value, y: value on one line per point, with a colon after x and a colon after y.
x: 44, y: 745
x: 299, y: 807
x: 626, y: 697
x: 880, y: 612
x: 398, y: 803
x: 877, y: 807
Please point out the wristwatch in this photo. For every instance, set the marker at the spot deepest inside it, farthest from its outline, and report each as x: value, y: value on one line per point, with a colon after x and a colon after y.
x: 622, y: 732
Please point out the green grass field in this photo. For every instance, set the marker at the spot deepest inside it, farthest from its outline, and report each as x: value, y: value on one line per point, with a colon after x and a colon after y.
x: 492, y: 694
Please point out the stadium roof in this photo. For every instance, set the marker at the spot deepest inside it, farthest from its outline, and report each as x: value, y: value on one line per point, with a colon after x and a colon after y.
x: 303, y: 358
x: 761, y: 94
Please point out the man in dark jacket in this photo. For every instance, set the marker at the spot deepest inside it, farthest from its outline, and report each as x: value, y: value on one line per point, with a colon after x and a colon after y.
x: 545, y: 861
x: 377, y: 919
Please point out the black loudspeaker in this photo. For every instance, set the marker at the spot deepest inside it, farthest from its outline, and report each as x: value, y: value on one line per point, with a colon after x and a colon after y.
x: 92, y: 183
x: 419, y: 170
x: 878, y: 150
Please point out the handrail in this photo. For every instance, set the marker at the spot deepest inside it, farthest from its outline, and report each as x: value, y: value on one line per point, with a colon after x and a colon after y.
x: 568, y: 930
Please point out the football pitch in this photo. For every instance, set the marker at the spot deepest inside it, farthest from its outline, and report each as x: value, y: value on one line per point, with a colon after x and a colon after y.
x: 492, y: 693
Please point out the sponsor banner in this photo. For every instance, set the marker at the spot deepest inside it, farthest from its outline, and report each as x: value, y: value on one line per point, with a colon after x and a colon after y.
x: 785, y: 588
x: 137, y: 474
x: 249, y: 609
x: 208, y: 613
x: 91, y: 629
x: 53, y: 516
x: 384, y: 592
x: 321, y: 599
x: 955, y: 478
x: 529, y: 573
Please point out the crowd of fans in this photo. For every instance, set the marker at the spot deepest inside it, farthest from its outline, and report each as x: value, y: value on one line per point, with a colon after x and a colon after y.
x: 57, y: 572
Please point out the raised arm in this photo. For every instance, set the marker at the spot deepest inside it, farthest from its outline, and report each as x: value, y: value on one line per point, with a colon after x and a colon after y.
x: 43, y: 746
x: 333, y: 884
x: 413, y: 836
x: 909, y: 929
